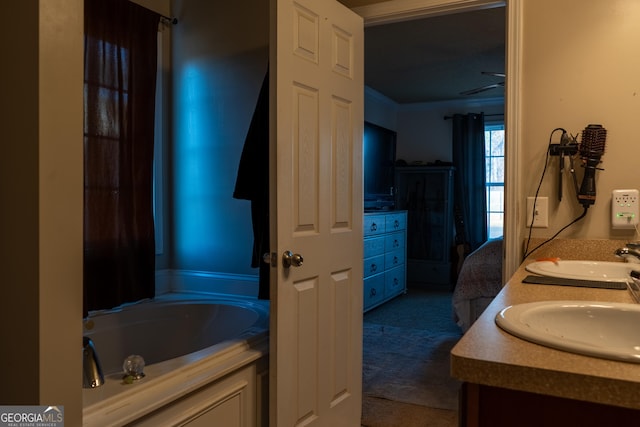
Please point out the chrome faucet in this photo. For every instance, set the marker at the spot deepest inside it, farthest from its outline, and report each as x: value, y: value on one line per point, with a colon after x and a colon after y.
x: 92, y: 376
x: 630, y: 253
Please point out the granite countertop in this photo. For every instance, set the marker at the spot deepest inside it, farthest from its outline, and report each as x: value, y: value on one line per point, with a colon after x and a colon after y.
x: 487, y: 355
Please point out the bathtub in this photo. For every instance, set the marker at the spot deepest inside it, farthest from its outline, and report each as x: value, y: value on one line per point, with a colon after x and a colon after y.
x: 186, y: 341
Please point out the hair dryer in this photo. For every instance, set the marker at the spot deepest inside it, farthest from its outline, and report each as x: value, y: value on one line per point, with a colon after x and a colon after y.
x: 591, y: 150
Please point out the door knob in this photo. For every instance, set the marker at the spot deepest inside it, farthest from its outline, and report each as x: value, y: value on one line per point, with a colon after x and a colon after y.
x: 290, y: 259
x: 269, y: 258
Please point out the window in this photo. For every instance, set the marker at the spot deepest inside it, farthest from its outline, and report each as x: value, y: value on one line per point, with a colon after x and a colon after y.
x: 158, y: 147
x: 494, y: 157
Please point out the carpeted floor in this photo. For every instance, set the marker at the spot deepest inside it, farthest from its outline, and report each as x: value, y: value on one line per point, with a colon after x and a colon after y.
x: 387, y: 413
x: 406, y: 345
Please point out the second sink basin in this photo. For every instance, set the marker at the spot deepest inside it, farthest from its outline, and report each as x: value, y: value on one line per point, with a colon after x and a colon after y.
x: 592, y: 328
x: 584, y: 270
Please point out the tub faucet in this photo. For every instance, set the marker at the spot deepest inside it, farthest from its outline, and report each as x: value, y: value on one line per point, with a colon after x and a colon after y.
x: 630, y: 254
x: 91, y: 370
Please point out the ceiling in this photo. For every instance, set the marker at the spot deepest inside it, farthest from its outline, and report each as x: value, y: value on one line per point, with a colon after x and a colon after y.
x: 435, y: 58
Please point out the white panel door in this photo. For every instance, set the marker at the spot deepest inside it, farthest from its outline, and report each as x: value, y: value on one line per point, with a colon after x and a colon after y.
x: 316, y: 206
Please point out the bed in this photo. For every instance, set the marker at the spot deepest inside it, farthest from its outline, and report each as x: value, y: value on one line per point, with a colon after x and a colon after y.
x: 479, y: 281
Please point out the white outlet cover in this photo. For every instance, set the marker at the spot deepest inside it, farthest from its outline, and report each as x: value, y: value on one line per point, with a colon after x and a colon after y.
x: 542, y: 209
x: 624, y: 208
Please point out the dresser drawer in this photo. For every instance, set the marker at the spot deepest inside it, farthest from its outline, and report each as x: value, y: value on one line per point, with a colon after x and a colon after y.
x: 395, y: 222
x: 373, y: 265
x: 385, y: 252
x: 394, y: 241
x: 373, y: 246
x: 394, y: 281
x: 374, y: 290
x: 373, y: 224
x: 393, y: 259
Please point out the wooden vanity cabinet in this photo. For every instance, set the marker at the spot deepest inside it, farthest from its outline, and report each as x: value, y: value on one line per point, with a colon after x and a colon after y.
x: 487, y: 406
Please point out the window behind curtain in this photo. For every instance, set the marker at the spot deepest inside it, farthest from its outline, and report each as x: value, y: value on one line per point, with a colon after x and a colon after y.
x: 119, y: 92
x: 494, y: 156
x: 158, y: 158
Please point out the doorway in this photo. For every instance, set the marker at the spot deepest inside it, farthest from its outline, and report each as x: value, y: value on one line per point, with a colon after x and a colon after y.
x: 404, y: 10
x: 378, y: 16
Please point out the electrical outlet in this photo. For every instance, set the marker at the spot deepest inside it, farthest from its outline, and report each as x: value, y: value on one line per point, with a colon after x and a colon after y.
x: 541, y: 215
x: 624, y: 208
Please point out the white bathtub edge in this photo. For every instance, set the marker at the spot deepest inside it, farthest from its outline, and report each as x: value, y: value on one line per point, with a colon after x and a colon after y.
x: 206, y: 282
x: 170, y: 380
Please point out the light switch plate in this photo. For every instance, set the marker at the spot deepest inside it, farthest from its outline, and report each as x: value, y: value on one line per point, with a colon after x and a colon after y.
x: 624, y: 208
x: 541, y: 219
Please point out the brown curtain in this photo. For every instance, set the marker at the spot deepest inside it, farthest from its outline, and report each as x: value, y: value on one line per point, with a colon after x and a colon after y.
x: 119, y: 103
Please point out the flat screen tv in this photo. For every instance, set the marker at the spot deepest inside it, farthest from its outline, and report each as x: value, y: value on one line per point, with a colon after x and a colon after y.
x: 379, y: 156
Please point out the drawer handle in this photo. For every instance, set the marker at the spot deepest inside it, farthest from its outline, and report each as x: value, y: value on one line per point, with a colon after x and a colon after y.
x: 373, y: 268
x: 395, y: 259
x: 395, y: 281
x: 396, y: 244
x: 374, y: 226
x: 396, y: 224
x: 372, y: 293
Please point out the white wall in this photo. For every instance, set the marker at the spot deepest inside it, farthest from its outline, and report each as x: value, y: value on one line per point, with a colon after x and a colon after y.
x: 380, y: 110
x: 220, y: 56
x: 423, y: 133
x: 583, y: 68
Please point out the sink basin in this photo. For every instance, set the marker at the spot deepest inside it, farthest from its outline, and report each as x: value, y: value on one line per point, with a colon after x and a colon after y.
x: 599, y: 329
x: 584, y: 270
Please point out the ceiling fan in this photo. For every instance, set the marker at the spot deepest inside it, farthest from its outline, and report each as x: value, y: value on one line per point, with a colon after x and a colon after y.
x: 487, y: 87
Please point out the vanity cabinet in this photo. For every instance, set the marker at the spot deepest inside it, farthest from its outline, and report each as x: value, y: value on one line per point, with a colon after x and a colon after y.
x: 385, y: 236
x: 426, y: 193
x: 509, y: 381
x: 486, y: 406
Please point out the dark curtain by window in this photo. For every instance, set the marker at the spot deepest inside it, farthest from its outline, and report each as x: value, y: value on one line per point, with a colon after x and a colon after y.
x: 470, y: 199
x: 119, y: 102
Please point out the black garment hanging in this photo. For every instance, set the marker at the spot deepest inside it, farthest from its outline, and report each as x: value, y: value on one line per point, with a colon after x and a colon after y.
x: 252, y: 183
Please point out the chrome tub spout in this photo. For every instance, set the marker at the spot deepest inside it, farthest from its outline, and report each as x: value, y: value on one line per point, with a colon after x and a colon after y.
x: 92, y: 376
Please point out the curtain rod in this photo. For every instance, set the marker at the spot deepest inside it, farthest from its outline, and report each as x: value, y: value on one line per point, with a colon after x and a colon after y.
x: 486, y: 115
x: 166, y: 20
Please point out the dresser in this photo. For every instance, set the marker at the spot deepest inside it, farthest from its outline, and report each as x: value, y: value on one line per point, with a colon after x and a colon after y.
x: 385, y: 249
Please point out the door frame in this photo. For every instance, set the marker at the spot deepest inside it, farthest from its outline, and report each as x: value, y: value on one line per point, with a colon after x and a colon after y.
x: 403, y: 10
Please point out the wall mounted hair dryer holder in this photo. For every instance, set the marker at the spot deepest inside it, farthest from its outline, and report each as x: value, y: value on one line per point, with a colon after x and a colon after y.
x: 591, y: 150
x: 569, y: 149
